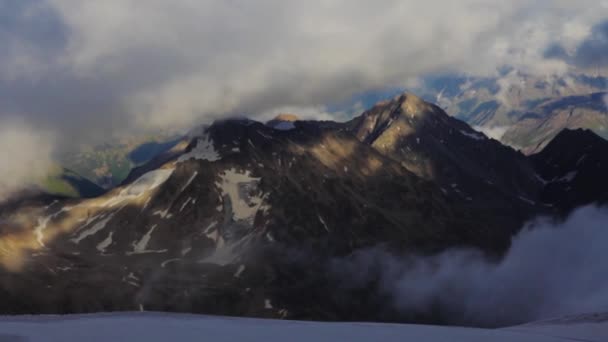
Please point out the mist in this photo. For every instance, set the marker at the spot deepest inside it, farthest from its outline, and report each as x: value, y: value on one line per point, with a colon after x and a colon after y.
x: 26, y: 155
x: 552, y: 269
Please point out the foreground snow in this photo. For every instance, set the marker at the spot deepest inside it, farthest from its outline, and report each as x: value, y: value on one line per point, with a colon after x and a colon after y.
x: 151, y: 327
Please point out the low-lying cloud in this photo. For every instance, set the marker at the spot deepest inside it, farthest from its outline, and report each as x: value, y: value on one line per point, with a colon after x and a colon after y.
x: 552, y: 269
x: 26, y: 156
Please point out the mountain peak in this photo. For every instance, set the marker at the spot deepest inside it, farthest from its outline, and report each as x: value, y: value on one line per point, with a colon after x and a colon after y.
x: 577, y: 133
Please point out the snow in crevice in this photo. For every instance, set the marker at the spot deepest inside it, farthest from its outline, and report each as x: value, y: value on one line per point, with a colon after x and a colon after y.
x: 102, y: 246
x: 239, y: 271
x: 527, y: 200
x: 567, y: 178
x: 164, y: 214
x: 146, y: 204
x: 147, y: 182
x: 167, y: 262
x: 94, y: 229
x: 43, y: 223
x: 140, y: 247
x: 269, y: 237
x: 204, y: 150
x: 540, y: 179
x: 581, y: 159
x: 265, y: 135
x: 189, y: 181
x: 209, y: 227
x: 323, y: 223
x: 185, y: 204
x: 475, y: 136
x: 39, y: 229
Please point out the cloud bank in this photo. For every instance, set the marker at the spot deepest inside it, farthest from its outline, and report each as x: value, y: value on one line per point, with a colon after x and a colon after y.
x: 176, y: 62
x: 552, y: 269
x: 94, y: 69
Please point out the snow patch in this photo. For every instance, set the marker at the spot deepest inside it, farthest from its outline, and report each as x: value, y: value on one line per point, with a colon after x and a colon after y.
x: 238, y: 188
x: 39, y: 229
x: 239, y: 271
x: 527, y: 200
x: 166, y: 262
x: 475, y: 136
x: 140, y: 246
x: 105, y: 243
x: 164, y: 214
x: 189, y: 181
x: 203, y: 150
x: 185, y: 204
x: 143, y: 184
x: 569, y: 177
x: 323, y: 222
x: 93, y: 230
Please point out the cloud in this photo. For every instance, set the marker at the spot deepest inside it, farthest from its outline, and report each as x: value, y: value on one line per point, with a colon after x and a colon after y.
x: 26, y: 155
x: 90, y: 70
x: 494, y: 132
x: 179, y: 62
x: 552, y: 269
x: 590, y: 52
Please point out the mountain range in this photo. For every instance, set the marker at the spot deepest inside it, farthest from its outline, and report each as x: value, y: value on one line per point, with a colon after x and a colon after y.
x: 522, y: 110
x: 246, y: 217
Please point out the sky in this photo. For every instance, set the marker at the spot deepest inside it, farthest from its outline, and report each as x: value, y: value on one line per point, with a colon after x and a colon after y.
x: 74, y: 71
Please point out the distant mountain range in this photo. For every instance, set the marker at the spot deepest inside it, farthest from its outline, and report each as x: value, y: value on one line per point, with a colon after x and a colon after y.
x: 521, y: 110
x: 246, y: 217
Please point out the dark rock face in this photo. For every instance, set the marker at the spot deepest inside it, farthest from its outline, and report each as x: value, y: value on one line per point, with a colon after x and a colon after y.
x: 467, y: 165
x: 574, y: 166
x: 248, y: 219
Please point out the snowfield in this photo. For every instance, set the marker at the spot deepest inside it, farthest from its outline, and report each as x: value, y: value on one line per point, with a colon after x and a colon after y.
x: 151, y: 327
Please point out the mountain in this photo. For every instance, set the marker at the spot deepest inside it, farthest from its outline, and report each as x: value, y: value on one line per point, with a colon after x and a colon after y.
x: 542, y: 123
x: 246, y: 217
x: 466, y: 164
x: 502, y: 100
x: 522, y: 110
x: 573, y: 166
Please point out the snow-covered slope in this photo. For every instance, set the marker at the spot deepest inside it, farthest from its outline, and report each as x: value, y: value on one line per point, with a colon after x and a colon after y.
x: 151, y: 327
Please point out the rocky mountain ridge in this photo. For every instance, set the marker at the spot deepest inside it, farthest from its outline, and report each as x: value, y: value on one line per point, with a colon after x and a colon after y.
x: 247, y: 217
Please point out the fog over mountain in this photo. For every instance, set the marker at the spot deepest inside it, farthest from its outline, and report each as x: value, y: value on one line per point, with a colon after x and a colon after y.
x: 92, y: 70
x: 552, y: 269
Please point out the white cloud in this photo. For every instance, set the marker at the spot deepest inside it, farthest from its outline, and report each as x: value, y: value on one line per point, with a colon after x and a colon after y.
x: 552, y: 269
x: 26, y: 156
x: 494, y: 132
x: 186, y: 60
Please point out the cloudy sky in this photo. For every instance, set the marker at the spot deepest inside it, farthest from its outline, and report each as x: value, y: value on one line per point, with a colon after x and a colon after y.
x: 73, y: 70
